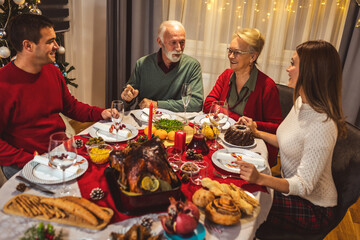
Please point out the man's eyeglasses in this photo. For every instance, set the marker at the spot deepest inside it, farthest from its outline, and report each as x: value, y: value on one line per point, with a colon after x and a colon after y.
x: 236, y: 52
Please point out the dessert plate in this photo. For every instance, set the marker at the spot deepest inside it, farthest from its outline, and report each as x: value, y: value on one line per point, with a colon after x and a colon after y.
x: 247, y: 155
x: 111, y: 137
x: 222, y: 137
x: 40, y: 173
x: 204, y: 118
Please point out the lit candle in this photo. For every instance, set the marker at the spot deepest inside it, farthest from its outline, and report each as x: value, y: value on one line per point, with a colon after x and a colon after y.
x: 150, y: 120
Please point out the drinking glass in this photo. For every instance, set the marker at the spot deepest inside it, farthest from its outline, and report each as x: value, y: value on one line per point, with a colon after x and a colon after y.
x: 199, y: 173
x: 62, y: 155
x: 117, y: 114
x: 219, y: 115
x: 186, y: 93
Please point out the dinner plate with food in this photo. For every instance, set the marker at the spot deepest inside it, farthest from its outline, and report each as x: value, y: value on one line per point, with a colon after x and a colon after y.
x: 159, y: 113
x: 38, y: 170
x: 225, y: 158
x: 109, y: 134
x: 204, y: 118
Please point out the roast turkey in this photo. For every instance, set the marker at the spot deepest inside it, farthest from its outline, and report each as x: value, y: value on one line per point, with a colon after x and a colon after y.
x: 138, y: 160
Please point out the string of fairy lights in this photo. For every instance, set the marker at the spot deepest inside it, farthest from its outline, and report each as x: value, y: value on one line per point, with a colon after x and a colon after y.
x: 290, y: 7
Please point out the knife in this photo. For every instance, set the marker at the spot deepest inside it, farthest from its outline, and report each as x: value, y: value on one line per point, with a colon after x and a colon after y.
x: 34, y: 185
x: 136, y: 120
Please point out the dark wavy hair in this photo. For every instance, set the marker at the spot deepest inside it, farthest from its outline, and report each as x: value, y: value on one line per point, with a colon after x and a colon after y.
x: 26, y: 27
x: 320, y: 79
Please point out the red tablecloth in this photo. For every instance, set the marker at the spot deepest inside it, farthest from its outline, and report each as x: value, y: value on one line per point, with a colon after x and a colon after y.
x: 94, y: 177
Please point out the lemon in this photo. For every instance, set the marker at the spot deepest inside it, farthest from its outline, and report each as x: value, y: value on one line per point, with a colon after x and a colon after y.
x: 161, y: 133
x: 171, y: 135
x: 209, y: 132
x: 150, y: 183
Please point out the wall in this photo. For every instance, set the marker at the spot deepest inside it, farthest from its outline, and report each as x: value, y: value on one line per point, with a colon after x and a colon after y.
x: 86, y: 50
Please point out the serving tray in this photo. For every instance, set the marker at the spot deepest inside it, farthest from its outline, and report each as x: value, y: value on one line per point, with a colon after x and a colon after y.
x: 140, y: 204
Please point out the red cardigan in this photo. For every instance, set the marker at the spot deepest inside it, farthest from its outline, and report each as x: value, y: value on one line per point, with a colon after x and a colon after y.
x: 263, y: 105
x: 30, y: 107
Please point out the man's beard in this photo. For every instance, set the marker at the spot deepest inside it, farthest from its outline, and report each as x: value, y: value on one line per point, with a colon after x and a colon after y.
x: 169, y: 54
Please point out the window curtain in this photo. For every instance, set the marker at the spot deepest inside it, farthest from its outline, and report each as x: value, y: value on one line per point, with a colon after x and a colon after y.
x: 350, y: 55
x: 131, y: 33
x: 210, y: 24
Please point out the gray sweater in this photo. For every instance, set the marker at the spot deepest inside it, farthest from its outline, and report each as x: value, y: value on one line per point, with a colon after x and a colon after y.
x: 165, y: 88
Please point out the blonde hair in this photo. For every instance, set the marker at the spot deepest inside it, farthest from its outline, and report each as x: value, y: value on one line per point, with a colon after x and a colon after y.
x: 251, y: 36
x: 166, y: 24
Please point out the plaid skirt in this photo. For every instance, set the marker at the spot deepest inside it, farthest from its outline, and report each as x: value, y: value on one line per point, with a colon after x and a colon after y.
x: 294, y: 213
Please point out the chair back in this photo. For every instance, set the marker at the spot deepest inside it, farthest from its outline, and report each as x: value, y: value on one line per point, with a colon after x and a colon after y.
x: 286, y: 98
x: 346, y: 171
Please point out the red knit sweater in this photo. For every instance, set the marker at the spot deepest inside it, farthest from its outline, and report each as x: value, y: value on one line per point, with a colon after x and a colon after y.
x: 29, y: 111
x: 263, y: 105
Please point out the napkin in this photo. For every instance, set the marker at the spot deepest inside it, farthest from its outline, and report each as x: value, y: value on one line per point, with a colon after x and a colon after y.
x: 52, y: 171
x: 105, y: 127
x: 228, y: 158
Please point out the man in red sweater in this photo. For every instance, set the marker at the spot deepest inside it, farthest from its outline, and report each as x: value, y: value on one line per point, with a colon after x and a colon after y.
x: 32, y: 94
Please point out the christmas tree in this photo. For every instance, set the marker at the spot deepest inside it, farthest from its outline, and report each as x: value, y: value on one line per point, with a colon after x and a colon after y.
x: 10, y: 8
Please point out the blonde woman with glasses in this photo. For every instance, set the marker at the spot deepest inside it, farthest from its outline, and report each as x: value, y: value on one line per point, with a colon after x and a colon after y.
x: 248, y: 91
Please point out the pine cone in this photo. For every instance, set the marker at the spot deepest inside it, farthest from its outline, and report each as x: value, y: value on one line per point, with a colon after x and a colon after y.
x: 21, y: 187
x: 79, y: 143
x: 97, y: 194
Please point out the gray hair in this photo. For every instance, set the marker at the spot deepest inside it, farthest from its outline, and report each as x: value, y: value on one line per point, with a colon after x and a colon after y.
x: 166, y: 24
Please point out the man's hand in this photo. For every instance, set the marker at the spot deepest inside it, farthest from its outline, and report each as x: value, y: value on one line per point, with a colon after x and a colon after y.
x: 145, y: 103
x: 106, y: 114
x: 129, y: 93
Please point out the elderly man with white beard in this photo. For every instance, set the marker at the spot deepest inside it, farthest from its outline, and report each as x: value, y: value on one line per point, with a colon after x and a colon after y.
x: 158, y: 77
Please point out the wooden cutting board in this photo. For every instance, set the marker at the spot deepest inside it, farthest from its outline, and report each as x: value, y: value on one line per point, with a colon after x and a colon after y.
x: 32, y: 207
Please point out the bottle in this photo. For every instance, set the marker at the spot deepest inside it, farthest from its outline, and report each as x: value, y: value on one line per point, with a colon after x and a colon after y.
x: 198, y: 143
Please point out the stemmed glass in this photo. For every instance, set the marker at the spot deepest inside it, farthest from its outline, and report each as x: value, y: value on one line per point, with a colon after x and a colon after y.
x: 62, y: 155
x: 186, y: 92
x: 219, y: 114
x: 117, y: 114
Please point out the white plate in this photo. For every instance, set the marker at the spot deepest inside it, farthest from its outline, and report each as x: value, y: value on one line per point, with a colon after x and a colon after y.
x: 222, y: 137
x: 239, y: 151
x: 111, y: 137
x: 37, y: 173
x: 203, y: 118
x: 145, y: 118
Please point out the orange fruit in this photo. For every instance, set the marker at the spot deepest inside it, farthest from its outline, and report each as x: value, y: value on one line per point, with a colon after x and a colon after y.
x: 161, y: 133
x: 146, y: 130
x: 171, y: 135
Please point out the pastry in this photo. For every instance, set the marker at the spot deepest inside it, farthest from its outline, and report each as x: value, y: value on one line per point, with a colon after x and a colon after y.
x: 223, y: 211
x: 202, y: 197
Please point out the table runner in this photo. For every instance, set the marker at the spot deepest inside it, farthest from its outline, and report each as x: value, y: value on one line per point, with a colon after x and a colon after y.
x: 94, y: 177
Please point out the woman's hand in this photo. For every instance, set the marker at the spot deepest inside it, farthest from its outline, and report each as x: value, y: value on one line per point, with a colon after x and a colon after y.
x: 249, y: 123
x: 248, y: 172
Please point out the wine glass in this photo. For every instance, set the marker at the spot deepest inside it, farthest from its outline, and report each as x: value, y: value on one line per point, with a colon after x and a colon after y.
x: 117, y: 114
x: 186, y: 92
x: 62, y: 155
x: 219, y: 114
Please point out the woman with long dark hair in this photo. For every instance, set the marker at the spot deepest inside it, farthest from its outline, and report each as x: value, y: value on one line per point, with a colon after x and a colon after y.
x: 304, y: 198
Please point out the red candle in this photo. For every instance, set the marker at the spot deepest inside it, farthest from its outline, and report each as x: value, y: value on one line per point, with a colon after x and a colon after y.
x: 179, y: 142
x: 150, y: 120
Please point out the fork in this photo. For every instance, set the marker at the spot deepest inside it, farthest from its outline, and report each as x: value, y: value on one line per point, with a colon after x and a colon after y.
x: 226, y: 176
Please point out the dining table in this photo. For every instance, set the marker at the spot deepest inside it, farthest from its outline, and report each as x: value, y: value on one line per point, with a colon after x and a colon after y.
x: 13, y: 226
